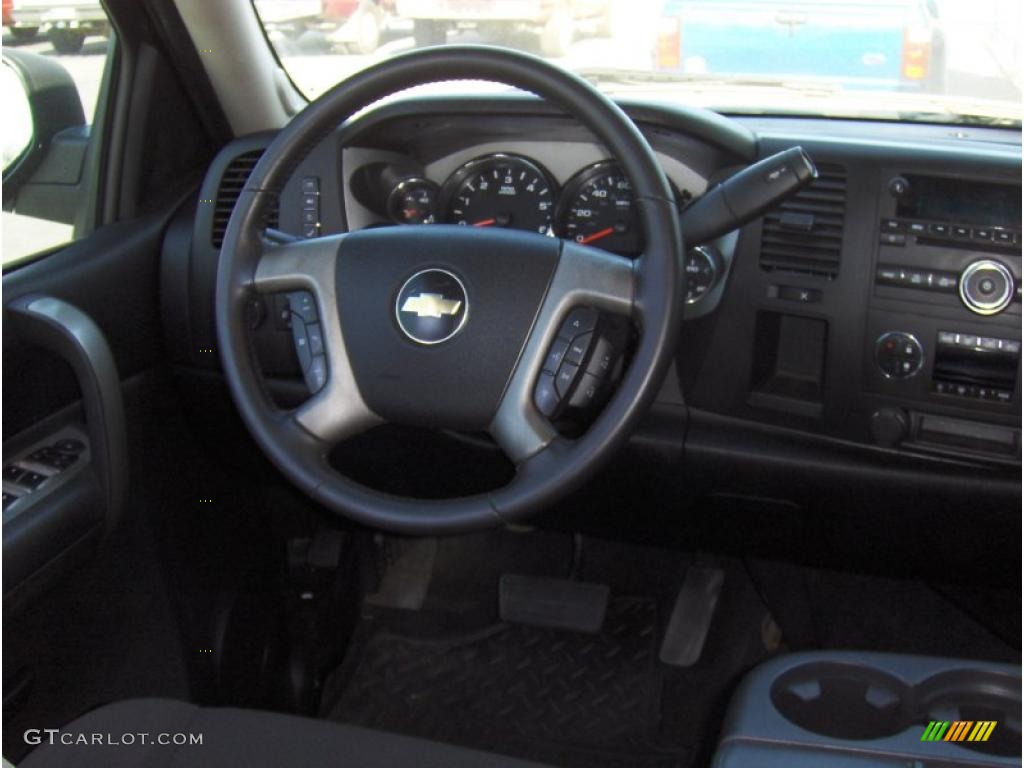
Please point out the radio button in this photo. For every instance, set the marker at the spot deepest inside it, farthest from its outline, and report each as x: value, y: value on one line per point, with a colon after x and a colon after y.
x: 986, y: 287
x: 918, y: 227
x: 892, y: 225
x: 893, y: 238
x: 982, y: 233
x: 938, y: 230
x: 961, y: 233
x: 1004, y: 236
x: 888, y: 275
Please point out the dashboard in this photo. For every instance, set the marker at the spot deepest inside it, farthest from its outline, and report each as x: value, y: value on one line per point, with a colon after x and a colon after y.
x: 877, y: 311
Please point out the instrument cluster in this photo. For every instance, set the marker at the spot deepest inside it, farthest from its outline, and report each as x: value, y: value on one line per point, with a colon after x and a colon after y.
x: 595, y: 207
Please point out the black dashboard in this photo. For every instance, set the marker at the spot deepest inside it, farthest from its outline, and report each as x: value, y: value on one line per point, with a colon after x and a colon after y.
x: 878, y: 311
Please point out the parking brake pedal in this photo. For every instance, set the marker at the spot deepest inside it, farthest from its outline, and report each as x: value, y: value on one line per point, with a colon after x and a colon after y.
x: 554, y: 603
x: 691, y: 617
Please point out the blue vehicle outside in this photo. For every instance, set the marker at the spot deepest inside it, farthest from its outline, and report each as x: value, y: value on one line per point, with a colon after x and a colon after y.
x: 868, y: 44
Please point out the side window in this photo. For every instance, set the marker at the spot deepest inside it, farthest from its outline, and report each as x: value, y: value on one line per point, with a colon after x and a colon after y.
x: 54, y: 54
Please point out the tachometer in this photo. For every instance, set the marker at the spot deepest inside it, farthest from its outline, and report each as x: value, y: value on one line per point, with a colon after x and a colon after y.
x: 501, y: 191
x: 597, y: 209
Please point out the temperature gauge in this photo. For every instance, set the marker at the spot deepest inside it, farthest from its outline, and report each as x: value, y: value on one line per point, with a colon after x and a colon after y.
x: 413, y: 201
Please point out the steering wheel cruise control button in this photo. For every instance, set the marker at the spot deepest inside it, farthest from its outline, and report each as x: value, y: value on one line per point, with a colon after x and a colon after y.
x: 301, y: 343
x: 303, y: 305
x: 316, y: 339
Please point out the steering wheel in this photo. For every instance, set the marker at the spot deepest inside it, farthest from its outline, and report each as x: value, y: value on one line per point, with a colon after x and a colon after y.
x: 470, y: 367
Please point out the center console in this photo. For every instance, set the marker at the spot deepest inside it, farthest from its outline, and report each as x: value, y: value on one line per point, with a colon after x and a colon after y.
x: 944, y: 316
x: 873, y: 710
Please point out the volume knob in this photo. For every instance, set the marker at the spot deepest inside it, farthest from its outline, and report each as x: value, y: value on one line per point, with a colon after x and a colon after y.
x: 986, y: 287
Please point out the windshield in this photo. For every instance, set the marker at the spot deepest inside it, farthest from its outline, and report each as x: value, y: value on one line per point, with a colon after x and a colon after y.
x: 954, y: 61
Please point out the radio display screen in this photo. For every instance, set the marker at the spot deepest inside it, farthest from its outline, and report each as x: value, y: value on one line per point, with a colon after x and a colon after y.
x: 934, y: 198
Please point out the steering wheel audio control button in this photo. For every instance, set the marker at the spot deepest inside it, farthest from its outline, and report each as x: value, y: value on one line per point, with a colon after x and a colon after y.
x: 545, y: 396
x: 555, y: 355
x: 603, y: 359
x: 565, y: 378
x: 580, y: 320
x: 578, y: 349
x: 586, y: 392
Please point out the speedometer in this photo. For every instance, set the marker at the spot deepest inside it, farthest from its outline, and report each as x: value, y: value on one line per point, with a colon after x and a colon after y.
x: 501, y: 191
x: 597, y: 209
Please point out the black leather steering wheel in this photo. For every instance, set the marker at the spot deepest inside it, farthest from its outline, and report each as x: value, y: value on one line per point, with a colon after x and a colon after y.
x: 518, y: 288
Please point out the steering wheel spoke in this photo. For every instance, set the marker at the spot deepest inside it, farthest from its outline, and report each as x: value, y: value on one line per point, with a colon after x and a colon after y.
x: 585, y: 277
x: 308, y: 269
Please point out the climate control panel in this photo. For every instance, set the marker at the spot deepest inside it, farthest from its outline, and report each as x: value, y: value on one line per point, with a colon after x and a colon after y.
x: 898, y: 355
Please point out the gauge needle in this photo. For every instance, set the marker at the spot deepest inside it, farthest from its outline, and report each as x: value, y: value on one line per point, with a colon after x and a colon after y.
x: 597, y: 235
x: 485, y: 223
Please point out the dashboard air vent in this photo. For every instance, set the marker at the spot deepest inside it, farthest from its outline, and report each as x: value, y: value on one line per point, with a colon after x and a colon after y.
x: 805, y: 233
x: 231, y: 184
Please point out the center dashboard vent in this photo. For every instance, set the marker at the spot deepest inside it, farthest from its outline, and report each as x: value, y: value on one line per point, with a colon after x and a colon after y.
x: 228, y: 191
x: 805, y: 233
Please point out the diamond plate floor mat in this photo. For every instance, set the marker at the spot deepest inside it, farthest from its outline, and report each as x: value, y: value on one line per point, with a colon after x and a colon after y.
x: 554, y: 696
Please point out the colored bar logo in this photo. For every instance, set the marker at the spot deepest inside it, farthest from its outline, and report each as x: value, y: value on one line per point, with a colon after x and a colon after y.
x: 958, y: 730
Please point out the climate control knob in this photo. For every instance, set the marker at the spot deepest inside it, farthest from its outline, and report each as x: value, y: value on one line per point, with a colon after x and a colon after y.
x: 898, y: 355
x: 986, y: 287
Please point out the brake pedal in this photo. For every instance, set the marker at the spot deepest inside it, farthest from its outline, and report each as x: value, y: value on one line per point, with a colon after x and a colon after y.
x: 553, y: 603
x: 691, y: 617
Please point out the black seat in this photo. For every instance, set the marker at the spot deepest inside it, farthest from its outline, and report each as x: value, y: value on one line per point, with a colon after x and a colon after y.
x: 236, y: 737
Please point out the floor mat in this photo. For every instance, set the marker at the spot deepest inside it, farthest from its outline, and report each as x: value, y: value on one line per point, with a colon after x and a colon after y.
x: 559, y: 697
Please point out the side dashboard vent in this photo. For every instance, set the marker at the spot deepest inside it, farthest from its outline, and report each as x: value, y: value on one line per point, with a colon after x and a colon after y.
x: 805, y: 233
x: 228, y: 191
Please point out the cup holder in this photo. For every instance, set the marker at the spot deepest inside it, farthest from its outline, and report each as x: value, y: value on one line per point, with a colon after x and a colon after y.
x: 975, y: 696
x: 842, y: 701
x: 857, y: 702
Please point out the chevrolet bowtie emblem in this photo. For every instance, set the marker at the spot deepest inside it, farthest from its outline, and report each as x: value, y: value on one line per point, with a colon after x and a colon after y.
x: 431, y: 305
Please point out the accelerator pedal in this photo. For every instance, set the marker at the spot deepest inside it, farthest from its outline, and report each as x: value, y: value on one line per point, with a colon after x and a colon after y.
x: 691, y: 617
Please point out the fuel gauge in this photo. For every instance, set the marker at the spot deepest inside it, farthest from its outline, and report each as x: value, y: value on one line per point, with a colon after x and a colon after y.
x: 413, y: 201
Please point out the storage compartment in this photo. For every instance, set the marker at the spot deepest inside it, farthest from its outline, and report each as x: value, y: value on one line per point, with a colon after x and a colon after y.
x: 860, y: 708
x: 843, y: 701
x: 975, y: 697
x: 789, y: 363
x: 859, y: 702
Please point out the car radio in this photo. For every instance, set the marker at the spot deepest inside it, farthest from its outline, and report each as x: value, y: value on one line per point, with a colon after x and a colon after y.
x: 943, y: 341
x: 951, y: 241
